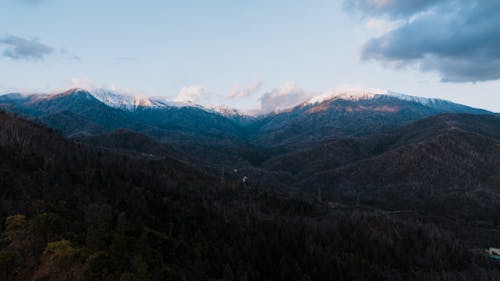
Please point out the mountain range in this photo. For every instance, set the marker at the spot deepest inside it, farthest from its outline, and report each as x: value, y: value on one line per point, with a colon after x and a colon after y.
x: 216, y: 137
x: 346, y: 114
x: 352, y: 146
x: 418, y: 176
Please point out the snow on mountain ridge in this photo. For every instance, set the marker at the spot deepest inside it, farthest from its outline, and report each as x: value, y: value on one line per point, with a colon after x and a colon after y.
x: 351, y: 94
x: 421, y: 100
x: 127, y: 102
x: 130, y: 103
x: 370, y: 94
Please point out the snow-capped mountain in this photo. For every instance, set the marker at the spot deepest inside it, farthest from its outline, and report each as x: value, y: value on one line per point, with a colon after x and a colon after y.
x: 373, y: 93
x: 354, y: 113
x: 132, y: 103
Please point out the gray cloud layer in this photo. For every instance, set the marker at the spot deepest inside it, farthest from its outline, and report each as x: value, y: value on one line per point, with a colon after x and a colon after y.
x: 458, y: 39
x: 21, y: 48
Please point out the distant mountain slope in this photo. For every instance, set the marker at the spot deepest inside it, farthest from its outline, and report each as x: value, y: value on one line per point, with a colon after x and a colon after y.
x: 71, y: 124
x: 127, y: 141
x: 194, y: 121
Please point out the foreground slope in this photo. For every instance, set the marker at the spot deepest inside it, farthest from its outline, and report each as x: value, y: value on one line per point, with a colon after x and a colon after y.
x: 72, y: 213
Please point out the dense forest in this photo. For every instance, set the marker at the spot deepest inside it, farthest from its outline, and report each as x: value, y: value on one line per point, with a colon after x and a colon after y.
x: 71, y: 212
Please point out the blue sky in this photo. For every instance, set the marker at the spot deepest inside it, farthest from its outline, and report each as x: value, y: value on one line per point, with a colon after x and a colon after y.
x: 237, y: 52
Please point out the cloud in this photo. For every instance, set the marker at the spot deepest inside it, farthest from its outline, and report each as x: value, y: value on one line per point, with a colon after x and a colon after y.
x: 380, y: 26
x: 237, y: 93
x: 460, y: 40
x: 192, y: 94
x: 27, y: 49
x: 390, y: 8
x: 283, y: 97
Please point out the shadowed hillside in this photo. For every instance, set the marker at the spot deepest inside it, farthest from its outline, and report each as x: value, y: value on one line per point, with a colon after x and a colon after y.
x: 443, y: 165
x: 72, y: 213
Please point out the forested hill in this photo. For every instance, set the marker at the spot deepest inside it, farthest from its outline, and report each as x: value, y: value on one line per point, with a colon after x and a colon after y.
x: 69, y: 212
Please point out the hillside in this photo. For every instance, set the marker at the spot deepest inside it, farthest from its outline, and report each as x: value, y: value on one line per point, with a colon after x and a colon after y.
x: 441, y: 165
x: 72, y: 213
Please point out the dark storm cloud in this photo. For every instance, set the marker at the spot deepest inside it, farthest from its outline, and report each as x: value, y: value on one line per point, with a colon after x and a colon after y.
x: 15, y: 47
x: 458, y: 39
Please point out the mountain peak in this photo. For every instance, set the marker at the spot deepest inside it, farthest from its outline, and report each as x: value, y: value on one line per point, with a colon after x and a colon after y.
x: 73, y: 92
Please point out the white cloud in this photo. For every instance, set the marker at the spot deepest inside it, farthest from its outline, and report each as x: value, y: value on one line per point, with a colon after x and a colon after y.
x: 236, y: 93
x: 192, y: 94
x: 283, y: 97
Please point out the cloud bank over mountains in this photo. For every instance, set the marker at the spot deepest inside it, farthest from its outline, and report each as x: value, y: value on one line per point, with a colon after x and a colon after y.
x: 460, y: 40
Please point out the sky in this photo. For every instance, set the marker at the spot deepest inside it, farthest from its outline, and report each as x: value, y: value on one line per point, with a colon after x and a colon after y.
x: 253, y: 54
